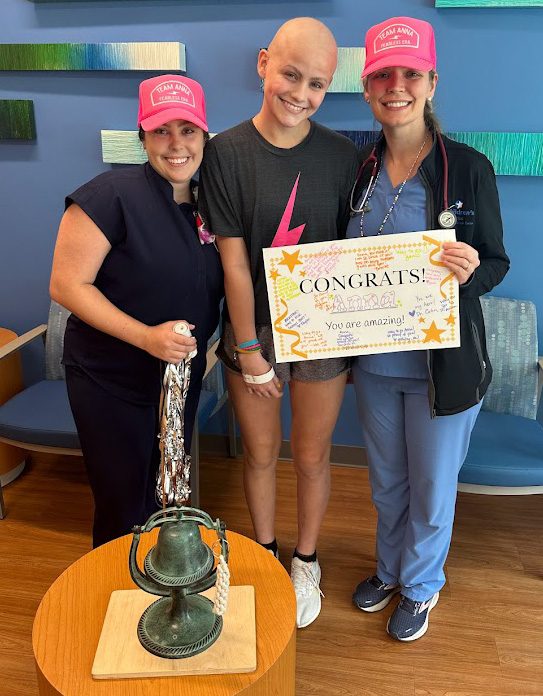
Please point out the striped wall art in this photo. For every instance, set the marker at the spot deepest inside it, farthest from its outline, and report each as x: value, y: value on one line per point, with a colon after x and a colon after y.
x: 512, y: 154
x: 147, y: 55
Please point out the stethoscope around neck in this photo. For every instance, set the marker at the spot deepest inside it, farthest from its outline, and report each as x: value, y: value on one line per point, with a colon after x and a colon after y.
x: 446, y: 218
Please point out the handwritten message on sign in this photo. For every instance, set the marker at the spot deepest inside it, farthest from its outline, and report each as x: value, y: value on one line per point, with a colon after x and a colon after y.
x: 360, y: 296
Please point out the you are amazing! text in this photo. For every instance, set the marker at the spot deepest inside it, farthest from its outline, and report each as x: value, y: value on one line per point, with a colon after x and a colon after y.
x: 355, y: 281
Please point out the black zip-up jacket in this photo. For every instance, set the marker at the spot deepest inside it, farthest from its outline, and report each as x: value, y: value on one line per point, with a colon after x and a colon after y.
x: 459, y: 377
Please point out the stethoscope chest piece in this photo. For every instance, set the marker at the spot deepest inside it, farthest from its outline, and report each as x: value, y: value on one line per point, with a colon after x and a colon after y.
x: 446, y: 219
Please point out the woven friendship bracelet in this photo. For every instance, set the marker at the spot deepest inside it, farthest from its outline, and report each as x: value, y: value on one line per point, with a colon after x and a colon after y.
x: 259, y: 379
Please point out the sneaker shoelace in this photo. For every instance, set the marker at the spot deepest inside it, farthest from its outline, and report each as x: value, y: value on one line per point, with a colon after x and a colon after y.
x: 304, y: 581
x: 377, y: 582
x: 409, y: 605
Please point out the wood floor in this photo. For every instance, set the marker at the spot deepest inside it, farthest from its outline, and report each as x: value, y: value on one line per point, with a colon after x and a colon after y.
x: 485, y: 636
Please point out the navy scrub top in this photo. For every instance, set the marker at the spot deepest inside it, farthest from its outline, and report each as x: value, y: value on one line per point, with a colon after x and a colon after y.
x: 157, y: 270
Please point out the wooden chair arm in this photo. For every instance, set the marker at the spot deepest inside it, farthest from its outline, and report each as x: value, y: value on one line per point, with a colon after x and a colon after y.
x: 21, y: 341
x: 211, y: 357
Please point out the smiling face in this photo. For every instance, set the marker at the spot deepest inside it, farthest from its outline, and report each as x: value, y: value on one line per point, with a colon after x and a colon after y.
x: 294, y: 86
x: 397, y: 95
x: 175, y: 151
x: 297, y: 70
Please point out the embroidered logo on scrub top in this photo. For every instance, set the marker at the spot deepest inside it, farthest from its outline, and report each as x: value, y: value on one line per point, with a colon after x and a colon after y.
x: 172, y: 91
x: 285, y: 236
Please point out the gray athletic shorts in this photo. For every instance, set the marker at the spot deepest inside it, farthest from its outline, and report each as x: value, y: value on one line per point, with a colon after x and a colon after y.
x: 303, y: 371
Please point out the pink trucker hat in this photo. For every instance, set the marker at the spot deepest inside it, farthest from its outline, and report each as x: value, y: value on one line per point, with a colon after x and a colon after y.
x: 171, y: 97
x: 400, y: 41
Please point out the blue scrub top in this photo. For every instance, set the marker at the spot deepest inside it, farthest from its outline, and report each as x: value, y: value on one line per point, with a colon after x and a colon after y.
x: 408, y: 215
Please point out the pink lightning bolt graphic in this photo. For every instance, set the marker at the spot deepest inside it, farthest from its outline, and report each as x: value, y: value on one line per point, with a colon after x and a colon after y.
x: 284, y: 236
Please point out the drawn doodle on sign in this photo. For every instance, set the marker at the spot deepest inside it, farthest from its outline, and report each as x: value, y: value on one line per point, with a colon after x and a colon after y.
x: 355, y: 303
x: 324, y: 301
x: 370, y: 301
x: 339, y: 305
x: 322, y: 265
x: 387, y: 299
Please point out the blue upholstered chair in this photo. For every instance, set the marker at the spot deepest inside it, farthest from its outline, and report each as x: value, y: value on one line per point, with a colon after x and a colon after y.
x: 505, y: 456
x: 39, y: 419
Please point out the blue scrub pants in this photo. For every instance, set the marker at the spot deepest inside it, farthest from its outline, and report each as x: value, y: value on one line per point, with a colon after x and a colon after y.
x: 414, y: 462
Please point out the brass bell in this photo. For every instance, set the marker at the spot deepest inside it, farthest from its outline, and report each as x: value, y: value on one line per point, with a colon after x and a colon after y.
x: 181, y: 623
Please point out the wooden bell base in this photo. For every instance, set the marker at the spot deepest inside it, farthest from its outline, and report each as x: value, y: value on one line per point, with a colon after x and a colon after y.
x: 121, y: 656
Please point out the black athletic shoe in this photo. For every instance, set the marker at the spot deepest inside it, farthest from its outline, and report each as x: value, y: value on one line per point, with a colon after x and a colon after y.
x: 372, y: 594
x: 410, y: 619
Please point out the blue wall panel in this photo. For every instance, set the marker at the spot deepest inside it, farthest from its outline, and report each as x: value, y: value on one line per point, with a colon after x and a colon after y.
x: 482, y: 87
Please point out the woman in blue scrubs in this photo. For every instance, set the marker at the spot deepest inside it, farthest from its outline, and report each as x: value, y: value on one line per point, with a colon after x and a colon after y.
x: 418, y: 408
x: 130, y: 262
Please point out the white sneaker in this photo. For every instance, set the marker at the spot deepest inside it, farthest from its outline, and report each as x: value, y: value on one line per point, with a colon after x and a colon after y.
x: 306, y: 578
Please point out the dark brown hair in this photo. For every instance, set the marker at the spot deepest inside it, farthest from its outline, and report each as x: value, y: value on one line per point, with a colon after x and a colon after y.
x: 430, y: 119
x: 141, y: 135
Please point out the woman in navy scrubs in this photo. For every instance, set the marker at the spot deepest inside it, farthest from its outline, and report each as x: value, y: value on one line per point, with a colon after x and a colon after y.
x: 130, y: 262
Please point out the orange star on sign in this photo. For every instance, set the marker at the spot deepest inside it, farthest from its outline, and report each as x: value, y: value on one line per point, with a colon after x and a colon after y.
x: 451, y: 319
x: 421, y: 320
x: 433, y: 333
x: 274, y: 274
x: 291, y: 260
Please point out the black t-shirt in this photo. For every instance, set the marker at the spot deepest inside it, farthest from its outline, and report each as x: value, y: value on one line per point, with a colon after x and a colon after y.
x: 156, y: 271
x: 246, y: 183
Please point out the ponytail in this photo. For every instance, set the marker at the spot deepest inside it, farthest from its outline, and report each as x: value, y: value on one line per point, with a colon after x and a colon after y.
x: 430, y: 119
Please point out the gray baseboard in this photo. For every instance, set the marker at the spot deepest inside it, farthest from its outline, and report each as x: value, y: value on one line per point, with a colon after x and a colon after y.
x: 342, y: 455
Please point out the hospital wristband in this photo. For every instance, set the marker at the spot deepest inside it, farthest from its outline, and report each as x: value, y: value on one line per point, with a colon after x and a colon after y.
x: 259, y: 379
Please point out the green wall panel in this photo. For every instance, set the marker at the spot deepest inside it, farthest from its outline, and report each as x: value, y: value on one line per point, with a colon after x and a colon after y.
x: 349, y: 69
x: 17, y: 119
x: 122, y: 147
x: 489, y: 3
x: 513, y: 154
x: 147, y: 55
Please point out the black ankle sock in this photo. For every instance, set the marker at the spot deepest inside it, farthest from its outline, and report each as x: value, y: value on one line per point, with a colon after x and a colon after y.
x: 305, y: 559
x: 272, y: 546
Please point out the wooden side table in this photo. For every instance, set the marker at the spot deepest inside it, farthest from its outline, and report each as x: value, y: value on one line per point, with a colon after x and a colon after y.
x: 12, y: 459
x: 70, y: 617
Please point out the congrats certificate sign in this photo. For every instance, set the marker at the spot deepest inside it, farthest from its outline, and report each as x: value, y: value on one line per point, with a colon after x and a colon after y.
x: 358, y: 296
